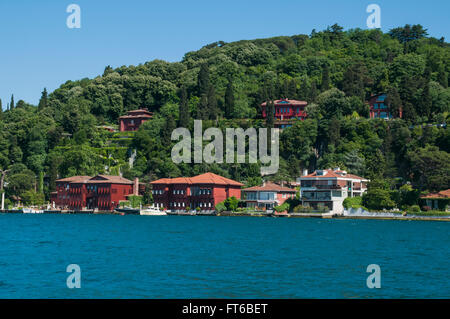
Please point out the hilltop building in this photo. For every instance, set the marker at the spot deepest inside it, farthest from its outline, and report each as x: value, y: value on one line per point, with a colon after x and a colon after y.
x: 204, y: 191
x: 267, y: 196
x: 101, y: 192
x: 328, y: 188
x: 134, y: 120
x: 378, y: 108
x: 286, y: 111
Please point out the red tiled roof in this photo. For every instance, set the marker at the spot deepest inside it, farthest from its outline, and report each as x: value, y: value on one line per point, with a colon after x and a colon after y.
x: 441, y: 194
x: 270, y: 187
x: 207, y: 178
x: 289, y: 102
x: 131, y: 114
x: 334, y: 174
x: 136, y: 116
x: 108, y: 179
x: 210, y: 178
x: 74, y: 179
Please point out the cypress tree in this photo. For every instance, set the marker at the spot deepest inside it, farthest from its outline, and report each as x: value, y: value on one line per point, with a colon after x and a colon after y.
x: 325, y: 78
x: 229, y: 100
x: 442, y: 77
x: 426, y: 96
x: 303, y: 93
x: 44, y: 99
x: 202, y: 108
x: 11, y: 105
x: 184, y: 109
x: 292, y: 89
x: 203, y: 80
x: 313, y: 92
x: 270, y: 110
x: 169, y: 126
x: 212, y: 103
x: 393, y: 101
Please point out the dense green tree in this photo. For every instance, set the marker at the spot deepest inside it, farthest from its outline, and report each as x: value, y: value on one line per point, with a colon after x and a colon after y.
x: 229, y: 100
x: 325, y: 78
x: 430, y: 168
x: 184, y: 114
x: 11, y: 104
x: 203, y: 82
x: 212, y: 103
x: 43, y: 102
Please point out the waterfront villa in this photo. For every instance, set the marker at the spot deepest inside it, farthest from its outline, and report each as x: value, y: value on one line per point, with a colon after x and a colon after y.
x: 436, y: 201
x: 267, y: 196
x: 327, y: 189
x: 378, y: 108
x: 203, y: 191
x: 286, y: 111
x: 134, y: 120
x: 101, y: 192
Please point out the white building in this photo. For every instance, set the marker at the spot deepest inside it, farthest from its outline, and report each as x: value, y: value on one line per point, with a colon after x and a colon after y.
x: 327, y: 189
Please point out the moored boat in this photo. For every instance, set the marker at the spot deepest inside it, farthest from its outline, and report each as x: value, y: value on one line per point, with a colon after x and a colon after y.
x: 152, y: 211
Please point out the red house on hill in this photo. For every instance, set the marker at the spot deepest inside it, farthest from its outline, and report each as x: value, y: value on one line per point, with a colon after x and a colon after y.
x: 378, y: 108
x: 286, y: 111
x: 101, y: 192
x: 204, y: 191
x: 134, y: 119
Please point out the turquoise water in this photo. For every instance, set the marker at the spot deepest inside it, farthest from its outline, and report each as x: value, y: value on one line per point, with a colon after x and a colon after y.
x: 220, y: 257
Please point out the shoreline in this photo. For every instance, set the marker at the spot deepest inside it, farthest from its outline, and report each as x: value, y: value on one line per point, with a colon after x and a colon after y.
x: 229, y: 214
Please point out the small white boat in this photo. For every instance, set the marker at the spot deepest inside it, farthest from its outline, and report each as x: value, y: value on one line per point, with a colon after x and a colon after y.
x: 32, y: 211
x: 152, y: 211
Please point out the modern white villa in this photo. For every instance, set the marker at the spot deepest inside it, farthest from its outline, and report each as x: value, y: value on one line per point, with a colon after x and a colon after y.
x: 328, y: 188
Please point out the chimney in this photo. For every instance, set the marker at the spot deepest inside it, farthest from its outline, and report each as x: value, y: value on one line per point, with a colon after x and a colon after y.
x: 264, y: 183
x: 305, y: 172
x: 136, y: 187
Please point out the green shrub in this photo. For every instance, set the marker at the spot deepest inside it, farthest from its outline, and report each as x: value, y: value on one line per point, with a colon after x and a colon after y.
x: 282, y: 208
x: 414, y: 209
x: 352, y: 202
x: 231, y: 203
x: 220, y: 207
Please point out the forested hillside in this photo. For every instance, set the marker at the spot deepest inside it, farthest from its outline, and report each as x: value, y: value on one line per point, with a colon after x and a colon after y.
x: 224, y: 84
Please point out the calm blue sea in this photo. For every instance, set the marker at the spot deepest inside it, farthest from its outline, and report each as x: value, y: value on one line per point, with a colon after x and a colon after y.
x: 220, y: 257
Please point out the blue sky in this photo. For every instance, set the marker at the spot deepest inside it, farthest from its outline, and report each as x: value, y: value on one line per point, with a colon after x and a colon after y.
x: 38, y: 50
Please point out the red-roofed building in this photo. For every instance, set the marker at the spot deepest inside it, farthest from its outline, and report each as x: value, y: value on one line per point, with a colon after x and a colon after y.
x: 204, y: 191
x: 134, y: 119
x: 379, y: 109
x: 436, y: 201
x: 267, y: 197
x: 102, y: 192
x: 328, y: 188
x: 286, y: 111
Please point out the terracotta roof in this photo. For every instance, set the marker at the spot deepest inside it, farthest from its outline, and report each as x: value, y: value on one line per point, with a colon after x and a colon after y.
x: 441, y: 194
x: 332, y: 173
x: 207, y: 178
x: 135, y: 116
x: 108, y: 179
x: 287, y: 102
x: 270, y: 187
x: 210, y: 178
x: 74, y: 179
